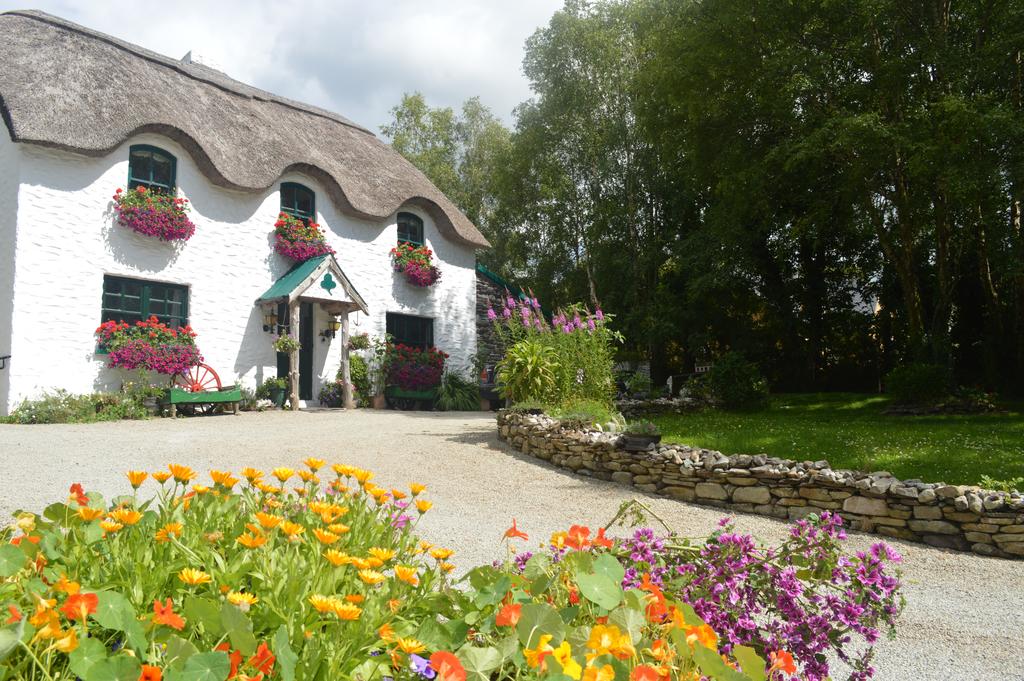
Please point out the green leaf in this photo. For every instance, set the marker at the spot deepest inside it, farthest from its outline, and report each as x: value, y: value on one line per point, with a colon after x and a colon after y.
x: 536, y: 566
x: 206, y: 612
x: 238, y: 628
x: 120, y: 668
x: 712, y: 665
x: 9, y: 638
x: 57, y: 512
x: 690, y: 615
x: 479, y: 662
x: 286, y: 657
x: 609, y: 566
x: 629, y: 620
x: 540, y: 584
x: 371, y: 670
x: 11, y: 560
x: 93, y: 533
x: 214, y: 666
x: 179, y: 650
x: 89, y: 652
x: 600, y: 589
x: 115, y: 612
x: 539, y: 619
x: 753, y: 666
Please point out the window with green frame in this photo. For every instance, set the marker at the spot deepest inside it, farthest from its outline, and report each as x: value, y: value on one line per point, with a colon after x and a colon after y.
x: 132, y: 300
x: 298, y: 201
x: 410, y: 229
x: 152, y: 168
x: 405, y: 329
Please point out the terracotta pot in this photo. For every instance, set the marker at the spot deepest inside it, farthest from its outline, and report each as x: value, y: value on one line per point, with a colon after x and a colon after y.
x: 485, y: 404
x: 378, y: 402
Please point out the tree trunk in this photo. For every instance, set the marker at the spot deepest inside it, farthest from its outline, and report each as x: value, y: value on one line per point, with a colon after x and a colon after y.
x: 346, y: 376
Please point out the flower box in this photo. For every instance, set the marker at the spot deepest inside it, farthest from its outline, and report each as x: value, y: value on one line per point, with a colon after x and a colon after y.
x: 152, y: 213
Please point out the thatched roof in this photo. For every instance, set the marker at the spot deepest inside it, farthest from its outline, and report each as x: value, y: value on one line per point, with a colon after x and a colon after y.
x: 65, y: 86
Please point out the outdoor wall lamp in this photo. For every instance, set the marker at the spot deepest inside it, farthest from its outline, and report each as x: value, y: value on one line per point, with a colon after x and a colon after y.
x: 270, y: 320
x: 332, y: 328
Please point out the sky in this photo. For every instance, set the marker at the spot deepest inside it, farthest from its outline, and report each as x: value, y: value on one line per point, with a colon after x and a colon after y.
x: 354, y: 57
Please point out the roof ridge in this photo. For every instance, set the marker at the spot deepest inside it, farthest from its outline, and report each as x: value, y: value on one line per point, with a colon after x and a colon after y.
x: 241, y: 89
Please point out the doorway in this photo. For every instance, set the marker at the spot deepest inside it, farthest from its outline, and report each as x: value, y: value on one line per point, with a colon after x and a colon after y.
x: 305, y: 352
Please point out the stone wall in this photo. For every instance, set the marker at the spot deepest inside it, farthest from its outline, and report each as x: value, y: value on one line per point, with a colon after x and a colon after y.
x: 488, y: 297
x: 948, y: 516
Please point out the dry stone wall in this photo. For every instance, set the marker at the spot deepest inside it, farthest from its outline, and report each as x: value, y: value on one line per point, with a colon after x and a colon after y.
x: 949, y: 516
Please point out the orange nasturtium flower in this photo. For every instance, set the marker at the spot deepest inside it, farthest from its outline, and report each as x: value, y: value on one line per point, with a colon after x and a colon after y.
x: 781, y: 661
x: 164, y: 614
x: 578, y: 538
x: 515, y: 533
x: 78, y: 494
x: 602, y: 540
x: 605, y: 673
x: 66, y: 586
x: 136, y: 478
x: 406, y: 574
x: 194, y: 577
x: 282, y: 473
x: 610, y: 640
x: 509, y: 615
x: 644, y: 672
x: 67, y: 642
x: 89, y: 514
x: 79, y: 606
x: 15, y: 615
x: 181, y: 473
x: 447, y: 666
x: 161, y: 476
x: 150, y: 673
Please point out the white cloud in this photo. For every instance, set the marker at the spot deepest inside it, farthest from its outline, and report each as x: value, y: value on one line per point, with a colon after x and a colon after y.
x: 350, y: 56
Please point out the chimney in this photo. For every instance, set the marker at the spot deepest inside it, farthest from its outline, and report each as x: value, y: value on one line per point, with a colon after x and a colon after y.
x: 193, y: 57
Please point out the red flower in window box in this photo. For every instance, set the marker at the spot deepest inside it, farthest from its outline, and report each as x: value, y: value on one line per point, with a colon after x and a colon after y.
x: 149, y: 344
x: 154, y: 213
x: 416, y: 263
x: 299, y: 240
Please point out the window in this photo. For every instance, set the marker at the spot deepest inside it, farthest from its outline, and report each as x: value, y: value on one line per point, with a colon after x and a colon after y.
x: 298, y: 201
x: 410, y: 229
x: 151, y: 168
x: 408, y: 330
x: 132, y: 300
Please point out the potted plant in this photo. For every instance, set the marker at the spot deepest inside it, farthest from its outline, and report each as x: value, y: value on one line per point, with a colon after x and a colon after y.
x: 332, y: 394
x: 276, y: 389
x: 299, y: 240
x: 286, y: 344
x: 640, y: 436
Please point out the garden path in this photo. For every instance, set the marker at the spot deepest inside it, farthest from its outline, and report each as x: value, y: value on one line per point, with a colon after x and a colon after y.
x: 962, y: 619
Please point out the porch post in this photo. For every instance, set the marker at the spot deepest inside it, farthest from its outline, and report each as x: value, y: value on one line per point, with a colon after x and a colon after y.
x: 346, y: 376
x: 293, y: 357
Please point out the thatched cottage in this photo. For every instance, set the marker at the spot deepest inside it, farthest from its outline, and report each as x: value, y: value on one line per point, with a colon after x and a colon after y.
x: 86, y: 114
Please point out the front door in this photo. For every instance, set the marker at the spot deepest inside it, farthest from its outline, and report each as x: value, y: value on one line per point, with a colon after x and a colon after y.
x: 306, y: 353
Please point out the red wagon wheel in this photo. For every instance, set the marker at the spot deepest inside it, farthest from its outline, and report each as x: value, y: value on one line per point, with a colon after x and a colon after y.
x: 199, y: 378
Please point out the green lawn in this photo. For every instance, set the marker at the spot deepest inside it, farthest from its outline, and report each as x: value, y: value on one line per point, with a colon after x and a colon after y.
x: 850, y: 431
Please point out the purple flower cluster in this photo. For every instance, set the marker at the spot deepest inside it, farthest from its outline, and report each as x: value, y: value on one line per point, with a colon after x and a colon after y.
x: 299, y: 240
x: 164, y: 359
x: 154, y: 214
x: 530, y: 316
x: 418, y: 274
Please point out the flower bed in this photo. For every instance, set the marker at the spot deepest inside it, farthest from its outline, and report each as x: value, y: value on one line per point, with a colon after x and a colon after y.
x: 328, y: 581
x: 153, y: 214
x: 149, y: 344
x: 416, y: 263
x: 414, y: 369
x: 299, y: 240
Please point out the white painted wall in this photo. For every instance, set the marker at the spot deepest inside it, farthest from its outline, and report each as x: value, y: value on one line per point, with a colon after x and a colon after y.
x: 68, y: 239
x: 9, y: 173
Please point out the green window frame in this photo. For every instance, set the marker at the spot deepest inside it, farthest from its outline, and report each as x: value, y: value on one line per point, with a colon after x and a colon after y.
x: 410, y: 229
x: 406, y: 329
x: 132, y: 300
x: 299, y: 201
x: 151, y: 167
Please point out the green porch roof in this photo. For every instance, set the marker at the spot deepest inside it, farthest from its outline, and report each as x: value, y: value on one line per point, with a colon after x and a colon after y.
x: 283, y: 287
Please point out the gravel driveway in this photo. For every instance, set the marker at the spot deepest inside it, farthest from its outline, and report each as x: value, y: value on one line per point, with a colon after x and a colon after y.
x: 963, y: 618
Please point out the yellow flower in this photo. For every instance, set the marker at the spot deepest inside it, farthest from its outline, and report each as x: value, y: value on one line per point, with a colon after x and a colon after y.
x: 126, y: 516
x: 570, y: 667
x: 441, y: 554
x: 363, y: 476
x: 167, y: 531
x: 605, y: 673
x: 343, y: 470
x: 314, y: 464
x: 386, y: 633
x: 347, y: 611
x: 291, y: 529
x: 322, y: 603
x: 267, y: 489
x: 267, y: 520
x: 325, y: 537
x: 64, y: 586
x: 282, y: 473
x: 355, y: 598
x: 394, y: 604
x: 110, y: 526
x: 339, y: 528
x: 410, y: 646
x: 213, y: 537
x: 534, y: 656
x: 66, y: 643
x: 136, y: 478
x: 380, y: 554
x: 360, y: 563
x: 181, y: 473
x: 308, y: 476
x: 318, y: 507
x: 398, y: 494
x: 26, y: 523
x: 89, y: 514
x: 224, y: 478
x: 609, y: 640
x: 371, y: 577
x: 558, y: 540
x: 422, y: 505
x: 193, y: 577
x: 252, y: 475
x: 417, y: 488
x: 406, y: 574
x: 335, y: 557
x: 270, y: 502
x: 161, y: 476
x: 243, y: 600
x: 447, y: 567
x: 252, y: 541
x: 703, y: 634
x: 200, y: 489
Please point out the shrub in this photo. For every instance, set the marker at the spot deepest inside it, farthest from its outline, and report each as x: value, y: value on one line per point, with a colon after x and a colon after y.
x: 416, y: 263
x: 1008, y: 485
x: 299, y: 240
x: 639, y: 384
x: 61, y: 406
x: 264, y: 388
x: 643, y: 428
x: 527, y: 372
x: 458, y: 393
x: 918, y: 383
x: 529, y: 406
x: 735, y: 383
x: 149, y: 345
x: 359, y: 374
x: 412, y: 368
x: 153, y: 214
x: 250, y: 399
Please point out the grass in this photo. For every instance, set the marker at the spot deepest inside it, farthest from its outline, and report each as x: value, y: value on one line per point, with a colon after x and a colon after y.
x: 850, y: 431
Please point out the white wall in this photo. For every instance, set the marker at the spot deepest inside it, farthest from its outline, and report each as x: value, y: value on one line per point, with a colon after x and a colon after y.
x: 68, y: 239
x: 9, y: 171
